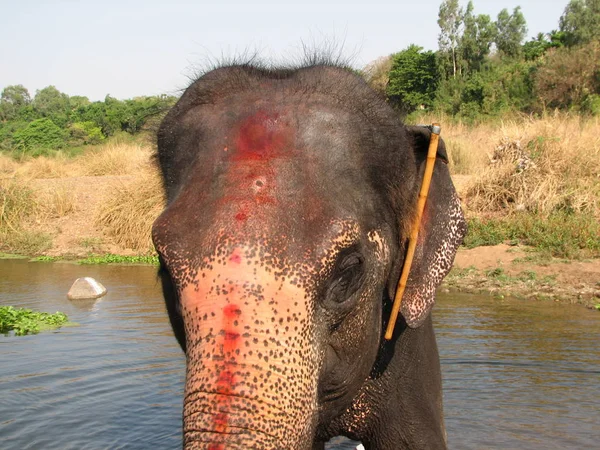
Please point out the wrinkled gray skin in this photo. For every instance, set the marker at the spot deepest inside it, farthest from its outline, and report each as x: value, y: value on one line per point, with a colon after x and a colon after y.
x: 290, y: 196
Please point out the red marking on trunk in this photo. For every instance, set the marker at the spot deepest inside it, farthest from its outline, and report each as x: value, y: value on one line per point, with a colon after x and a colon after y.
x: 216, y: 447
x: 226, y: 380
x: 232, y: 311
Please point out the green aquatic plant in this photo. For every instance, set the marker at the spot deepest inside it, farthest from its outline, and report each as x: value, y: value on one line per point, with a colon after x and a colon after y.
x: 119, y: 259
x: 26, y: 321
x: 45, y: 258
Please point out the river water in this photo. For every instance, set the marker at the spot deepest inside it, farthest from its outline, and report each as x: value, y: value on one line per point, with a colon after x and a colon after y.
x: 517, y: 375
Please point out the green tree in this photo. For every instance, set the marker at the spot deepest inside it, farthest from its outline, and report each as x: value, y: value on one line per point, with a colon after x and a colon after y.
x: 53, y: 104
x: 78, y: 101
x: 581, y: 21
x: 476, y: 40
x: 536, y: 47
x: 116, y: 115
x: 511, y: 29
x: 450, y: 19
x: 12, y: 100
x: 40, y: 134
x: 413, y: 79
x: 85, y: 133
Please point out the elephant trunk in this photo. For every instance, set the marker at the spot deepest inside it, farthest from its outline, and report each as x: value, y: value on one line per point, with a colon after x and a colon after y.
x: 251, y: 360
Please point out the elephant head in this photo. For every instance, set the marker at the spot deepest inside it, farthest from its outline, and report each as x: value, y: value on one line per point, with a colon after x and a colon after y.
x: 290, y: 197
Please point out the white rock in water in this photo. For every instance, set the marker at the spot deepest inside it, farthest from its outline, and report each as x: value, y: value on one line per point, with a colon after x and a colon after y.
x: 86, y: 287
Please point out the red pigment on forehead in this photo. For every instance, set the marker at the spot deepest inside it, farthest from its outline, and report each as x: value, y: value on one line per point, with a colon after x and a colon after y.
x: 250, y: 181
x: 226, y: 379
x: 262, y: 136
x: 241, y: 216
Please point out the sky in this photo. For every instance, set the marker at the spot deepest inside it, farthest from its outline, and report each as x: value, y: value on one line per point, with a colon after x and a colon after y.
x: 149, y: 47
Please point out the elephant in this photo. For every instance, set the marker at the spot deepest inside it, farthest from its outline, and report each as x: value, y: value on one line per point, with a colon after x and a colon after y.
x: 290, y: 195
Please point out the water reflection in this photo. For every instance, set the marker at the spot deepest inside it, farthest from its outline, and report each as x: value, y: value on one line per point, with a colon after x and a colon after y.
x: 516, y: 374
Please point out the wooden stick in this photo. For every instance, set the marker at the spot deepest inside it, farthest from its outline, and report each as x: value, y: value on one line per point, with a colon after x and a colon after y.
x: 414, y: 234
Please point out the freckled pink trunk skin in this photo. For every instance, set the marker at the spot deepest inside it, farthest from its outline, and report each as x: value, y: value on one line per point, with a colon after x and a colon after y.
x: 251, y: 371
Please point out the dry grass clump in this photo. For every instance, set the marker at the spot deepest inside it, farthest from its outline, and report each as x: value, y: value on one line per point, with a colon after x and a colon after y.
x: 59, y: 201
x: 58, y: 166
x: 468, y: 147
x: 127, y: 216
x: 541, y: 166
x: 114, y: 159
x: 17, y: 203
x: 7, y: 165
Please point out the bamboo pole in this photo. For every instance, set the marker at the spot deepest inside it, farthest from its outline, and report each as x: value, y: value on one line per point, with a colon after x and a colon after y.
x: 414, y: 234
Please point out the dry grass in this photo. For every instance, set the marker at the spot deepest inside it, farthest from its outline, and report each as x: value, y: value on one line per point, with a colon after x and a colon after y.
x: 469, y: 148
x: 541, y: 166
x: 535, y: 165
x: 57, y: 202
x: 127, y: 216
x: 8, y: 166
x: 17, y: 203
x: 45, y: 167
x: 114, y: 159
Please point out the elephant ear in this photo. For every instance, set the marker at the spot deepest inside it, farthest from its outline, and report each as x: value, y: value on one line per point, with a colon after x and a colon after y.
x: 442, y: 230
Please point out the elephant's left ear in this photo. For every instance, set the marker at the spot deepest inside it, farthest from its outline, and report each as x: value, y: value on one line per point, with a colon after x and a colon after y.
x: 442, y: 230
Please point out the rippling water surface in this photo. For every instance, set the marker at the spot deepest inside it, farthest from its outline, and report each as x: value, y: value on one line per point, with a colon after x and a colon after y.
x: 516, y: 374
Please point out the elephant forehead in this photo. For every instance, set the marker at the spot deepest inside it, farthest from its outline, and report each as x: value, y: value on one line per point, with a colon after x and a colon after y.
x: 263, y: 135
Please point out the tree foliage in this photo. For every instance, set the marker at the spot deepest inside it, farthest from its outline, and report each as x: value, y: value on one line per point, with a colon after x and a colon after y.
x: 570, y: 79
x: 413, y: 79
x: 511, y: 30
x: 450, y: 20
x: 475, y: 80
x: 53, y: 120
x: 12, y: 99
x: 476, y: 40
x: 581, y: 21
x: 40, y: 134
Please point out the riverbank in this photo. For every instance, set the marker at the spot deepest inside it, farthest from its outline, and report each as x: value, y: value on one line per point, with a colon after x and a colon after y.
x: 530, y: 190
x: 504, y: 270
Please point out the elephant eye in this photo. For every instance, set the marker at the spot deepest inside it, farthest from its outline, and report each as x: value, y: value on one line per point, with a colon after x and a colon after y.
x: 347, y: 278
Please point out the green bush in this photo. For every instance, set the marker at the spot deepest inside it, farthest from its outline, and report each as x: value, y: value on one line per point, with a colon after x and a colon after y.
x: 591, y: 105
x: 40, y: 134
x: 86, y: 133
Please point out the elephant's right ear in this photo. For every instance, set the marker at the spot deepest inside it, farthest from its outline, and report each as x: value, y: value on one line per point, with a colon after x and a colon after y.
x: 441, y: 232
